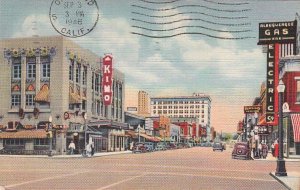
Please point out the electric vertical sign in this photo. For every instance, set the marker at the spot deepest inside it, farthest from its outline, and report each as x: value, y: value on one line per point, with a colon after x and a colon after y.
x: 107, y: 80
x: 273, y: 34
x: 272, y: 81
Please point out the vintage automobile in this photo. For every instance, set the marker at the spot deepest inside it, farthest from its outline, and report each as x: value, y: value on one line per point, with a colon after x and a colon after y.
x: 149, y: 146
x: 160, y: 146
x: 241, y: 150
x: 139, y: 147
x: 218, y: 146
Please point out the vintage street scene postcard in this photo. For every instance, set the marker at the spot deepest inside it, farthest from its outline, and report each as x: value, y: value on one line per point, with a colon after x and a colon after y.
x: 150, y: 94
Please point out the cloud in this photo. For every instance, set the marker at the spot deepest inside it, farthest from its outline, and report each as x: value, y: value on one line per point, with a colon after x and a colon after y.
x: 35, y: 25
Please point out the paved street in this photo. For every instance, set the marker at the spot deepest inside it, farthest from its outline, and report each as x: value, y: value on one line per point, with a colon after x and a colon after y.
x: 193, y: 168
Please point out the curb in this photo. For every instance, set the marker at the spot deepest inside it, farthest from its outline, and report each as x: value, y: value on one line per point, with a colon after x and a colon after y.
x: 79, y: 156
x: 280, y: 181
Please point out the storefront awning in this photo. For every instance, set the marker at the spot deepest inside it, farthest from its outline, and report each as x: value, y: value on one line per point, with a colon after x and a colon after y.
x: 24, y: 134
x: 296, y: 126
x: 74, y: 98
x: 43, y: 95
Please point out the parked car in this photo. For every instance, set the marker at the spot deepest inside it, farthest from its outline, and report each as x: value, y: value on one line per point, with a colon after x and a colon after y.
x: 149, y: 146
x: 241, y: 150
x: 218, y: 146
x: 160, y: 146
x: 139, y: 147
x: 171, y: 146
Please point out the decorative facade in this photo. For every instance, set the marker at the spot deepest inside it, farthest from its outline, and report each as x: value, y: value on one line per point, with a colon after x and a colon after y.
x: 53, y: 77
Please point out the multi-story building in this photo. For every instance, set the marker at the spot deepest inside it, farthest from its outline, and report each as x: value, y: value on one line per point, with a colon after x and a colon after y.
x: 290, y: 75
x: 143, y: 103
x: 53, y: 77
x: 196, y: 106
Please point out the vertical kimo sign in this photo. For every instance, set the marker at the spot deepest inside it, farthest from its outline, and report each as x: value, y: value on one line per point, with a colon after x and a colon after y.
x: 107, y: 80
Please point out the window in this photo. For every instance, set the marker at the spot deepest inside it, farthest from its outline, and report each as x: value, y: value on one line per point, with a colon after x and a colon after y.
x: 46, y: 70
x: 298, y: 91
x: 30, y: 99
x: 97, y: 80
x: 93, y: 82
x: 16, y: 71
x: 83, y: 105
x: 30, y: 70
x: 15, y: 100
x: 84, y: 75
x: 78, y: 70
x: 71, y: 71
x: 41, y: 142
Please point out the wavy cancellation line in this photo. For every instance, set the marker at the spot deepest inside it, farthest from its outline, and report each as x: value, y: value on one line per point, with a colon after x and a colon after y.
x: 191, y: 19
x: 219, y: 3
x: 180, y: 27
x: 182, y: 6
x: 214, y: 2
x: 186, y: 13
x: 193, y: 33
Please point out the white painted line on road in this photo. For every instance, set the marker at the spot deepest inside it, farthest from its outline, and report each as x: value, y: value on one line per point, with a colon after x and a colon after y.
x: 44, y: 179
x: 122, y: 181
x: 210, y: 175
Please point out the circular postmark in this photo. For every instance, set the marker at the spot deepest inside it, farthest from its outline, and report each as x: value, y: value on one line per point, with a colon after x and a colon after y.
x: 74, y: 18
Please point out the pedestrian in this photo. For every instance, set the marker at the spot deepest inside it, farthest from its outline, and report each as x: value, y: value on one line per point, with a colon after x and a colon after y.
x: 88, y: 149
x: 273, y: 149
x: 276, y: 149
x: 264, y: 150
x: 92, y: 149
x: 253, y: 149
x: 72, y: 147
x: 259, y: 150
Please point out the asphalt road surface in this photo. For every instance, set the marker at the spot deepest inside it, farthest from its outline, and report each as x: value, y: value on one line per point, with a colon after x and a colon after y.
x: 184, y: 169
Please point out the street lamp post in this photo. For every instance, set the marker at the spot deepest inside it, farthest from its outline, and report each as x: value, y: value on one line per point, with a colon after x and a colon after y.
x: 50, y: 135
x: 85, y: 129
x: 256, y: 135
x: 280, y: 170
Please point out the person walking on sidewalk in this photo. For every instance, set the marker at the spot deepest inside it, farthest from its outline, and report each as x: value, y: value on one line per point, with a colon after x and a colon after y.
x: 273, y: 149
x: 276, y: 149
x: 88, y: 149
x: 72, y: 147
x: 264, y: 150
x: 92, y: 149
x: 259, y: 150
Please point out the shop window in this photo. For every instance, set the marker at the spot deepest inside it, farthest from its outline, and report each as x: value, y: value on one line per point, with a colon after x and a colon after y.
x: 298, y: 91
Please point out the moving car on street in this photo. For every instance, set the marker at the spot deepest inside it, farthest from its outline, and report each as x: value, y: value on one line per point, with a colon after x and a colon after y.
x: 241, y: 150
x: 218, y: 146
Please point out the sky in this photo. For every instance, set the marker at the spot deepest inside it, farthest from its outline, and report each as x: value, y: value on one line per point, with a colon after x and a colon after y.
x: 172, y: 47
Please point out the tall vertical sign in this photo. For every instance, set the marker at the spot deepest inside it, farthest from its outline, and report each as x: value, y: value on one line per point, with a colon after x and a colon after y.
x: 272, y: 82
x: 107, y: 80
x: 273, y: 34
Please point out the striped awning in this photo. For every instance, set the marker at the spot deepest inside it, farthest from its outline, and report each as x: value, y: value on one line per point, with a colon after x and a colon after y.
x: 296, y: 126
x: 74, y: 98
x: 43, y: 95
x: 24, y: 134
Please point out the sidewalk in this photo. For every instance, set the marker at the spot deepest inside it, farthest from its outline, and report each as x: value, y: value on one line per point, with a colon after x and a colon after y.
x: 67, y: 156
x: 292, y: 180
